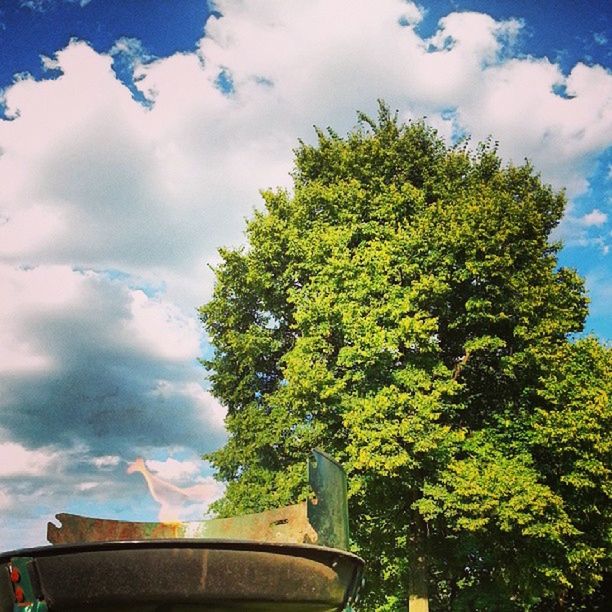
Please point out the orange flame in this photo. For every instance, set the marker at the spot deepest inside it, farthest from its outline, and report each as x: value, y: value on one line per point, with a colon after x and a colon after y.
x: 170, y: 498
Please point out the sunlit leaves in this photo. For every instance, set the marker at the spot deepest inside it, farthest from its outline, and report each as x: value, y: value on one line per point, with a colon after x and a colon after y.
x: 403, y: 309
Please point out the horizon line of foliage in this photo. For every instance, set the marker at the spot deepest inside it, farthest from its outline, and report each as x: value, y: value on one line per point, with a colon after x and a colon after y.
x: 403, y: 309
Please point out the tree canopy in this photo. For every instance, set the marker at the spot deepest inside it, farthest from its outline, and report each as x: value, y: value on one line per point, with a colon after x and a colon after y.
x: 403, y: 309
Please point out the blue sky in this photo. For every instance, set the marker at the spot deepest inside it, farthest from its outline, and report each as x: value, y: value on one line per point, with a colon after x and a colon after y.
x: 134, y: 138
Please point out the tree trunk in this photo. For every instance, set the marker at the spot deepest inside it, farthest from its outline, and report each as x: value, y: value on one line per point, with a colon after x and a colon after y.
x: 418, y: 595
x: 418, y: 592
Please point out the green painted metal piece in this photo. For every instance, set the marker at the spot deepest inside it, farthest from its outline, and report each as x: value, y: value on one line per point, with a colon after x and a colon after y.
x: 328, y: 511
x: 30, y: 603
x: 37, y: 606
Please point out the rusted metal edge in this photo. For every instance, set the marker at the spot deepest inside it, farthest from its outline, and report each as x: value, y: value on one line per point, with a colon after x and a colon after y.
x: 321, y: 520
x: 289, y: 524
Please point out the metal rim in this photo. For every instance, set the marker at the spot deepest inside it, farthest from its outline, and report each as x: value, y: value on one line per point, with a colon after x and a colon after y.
x: 219, y: 544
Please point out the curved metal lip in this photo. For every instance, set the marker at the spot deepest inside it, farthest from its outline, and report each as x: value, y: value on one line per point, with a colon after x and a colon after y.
x: 193, y: 543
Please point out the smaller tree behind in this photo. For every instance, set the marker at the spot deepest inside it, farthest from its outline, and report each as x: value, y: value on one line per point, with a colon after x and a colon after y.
x: 403, y: 310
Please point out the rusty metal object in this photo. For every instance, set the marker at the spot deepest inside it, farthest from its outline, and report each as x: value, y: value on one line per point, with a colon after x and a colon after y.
x: 192, y: 575
x: 322, y: 520
x: 289, y: 524
x: 287, y: 559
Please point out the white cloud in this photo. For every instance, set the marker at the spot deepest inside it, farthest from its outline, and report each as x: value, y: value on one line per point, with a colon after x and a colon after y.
x: 87, y: 486
x: 466, y: 66
x: 17, y: 460
x: 106, y: 462
x: 114, y: 316
x: 129, y: 53
x: 82, y: 356
x: 172, y: 469
x: 130, y: 46
x: 31, y: 226
x: 413, y: 14
x: 160, y: 327
x: 211, y: 411
x: 595, y: 217
x: 34, y: 5
x: 585, y: 231
x: 94, y: 178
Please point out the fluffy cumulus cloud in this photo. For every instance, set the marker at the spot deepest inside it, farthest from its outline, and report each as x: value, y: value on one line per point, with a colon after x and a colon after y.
x: 116, y: 194
x: 97, y: 178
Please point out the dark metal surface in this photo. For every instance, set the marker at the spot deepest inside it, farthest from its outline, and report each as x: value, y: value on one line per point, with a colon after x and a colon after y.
x: 6, y: 589
x: 192, y: 575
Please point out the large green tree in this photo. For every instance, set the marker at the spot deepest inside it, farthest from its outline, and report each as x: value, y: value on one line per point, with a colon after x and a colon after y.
x: 403, y: 309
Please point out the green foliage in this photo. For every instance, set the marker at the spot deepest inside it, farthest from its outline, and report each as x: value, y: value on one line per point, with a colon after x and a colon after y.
x: 403, y: 310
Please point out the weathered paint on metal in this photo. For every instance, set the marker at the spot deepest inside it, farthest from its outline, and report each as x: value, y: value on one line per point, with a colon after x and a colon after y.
x: 289, y: 524
x: 21, y: 595
x: 328, y: 511
x: 322, y: 520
